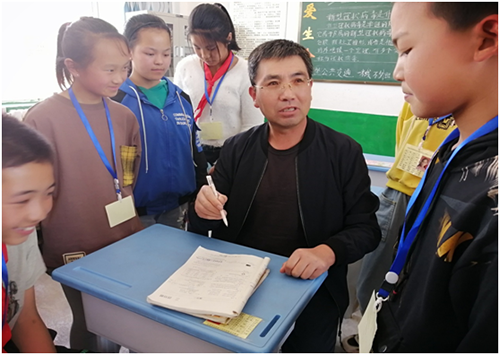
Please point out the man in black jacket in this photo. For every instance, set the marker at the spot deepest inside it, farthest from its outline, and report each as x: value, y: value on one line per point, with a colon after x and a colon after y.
x: 296, y: 188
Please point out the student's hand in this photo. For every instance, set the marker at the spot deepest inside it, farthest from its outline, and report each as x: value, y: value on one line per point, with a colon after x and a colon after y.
x: 309, y: 263
x: 207, y: 205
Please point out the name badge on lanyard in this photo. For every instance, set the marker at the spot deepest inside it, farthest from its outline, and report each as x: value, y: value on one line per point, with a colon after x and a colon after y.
x: 213, y: 130
x: 416, y: 159
x: 368, y: 324
x: 123, y: 209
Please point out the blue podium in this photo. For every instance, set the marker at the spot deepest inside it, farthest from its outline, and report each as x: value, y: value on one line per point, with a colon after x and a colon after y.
x: 116, y: 280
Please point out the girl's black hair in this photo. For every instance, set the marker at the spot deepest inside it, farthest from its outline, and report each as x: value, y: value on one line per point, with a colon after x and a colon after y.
x: 212, y: 21
x: 76, y: 41
x: 21, y: 144
x: 138, y: 22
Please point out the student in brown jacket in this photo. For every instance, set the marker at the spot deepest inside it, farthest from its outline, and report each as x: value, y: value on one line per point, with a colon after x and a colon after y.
x: 97, y: 150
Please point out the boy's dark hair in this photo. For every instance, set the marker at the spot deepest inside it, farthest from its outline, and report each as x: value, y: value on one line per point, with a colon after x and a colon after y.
x: 76, y: 41
x: 22, y: 144
x: 138, y: 22
x: 463, y: 15
x: 212, y: 22
x: 280, y: 49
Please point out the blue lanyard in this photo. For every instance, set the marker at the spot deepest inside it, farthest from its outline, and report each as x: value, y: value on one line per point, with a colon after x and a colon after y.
x: 407, y: 240
x: 432, y: 122
x: 217, y: 87
x: 96, y: 142
x: 5, y: 280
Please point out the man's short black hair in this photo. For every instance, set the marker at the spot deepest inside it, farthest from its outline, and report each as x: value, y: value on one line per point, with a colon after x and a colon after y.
x: 280, y: 49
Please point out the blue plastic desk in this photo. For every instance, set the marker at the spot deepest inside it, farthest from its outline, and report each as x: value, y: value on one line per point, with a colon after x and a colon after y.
x: 116, y: 280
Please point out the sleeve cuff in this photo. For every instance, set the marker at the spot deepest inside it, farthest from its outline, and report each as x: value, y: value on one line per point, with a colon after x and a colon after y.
x: 339, y: 249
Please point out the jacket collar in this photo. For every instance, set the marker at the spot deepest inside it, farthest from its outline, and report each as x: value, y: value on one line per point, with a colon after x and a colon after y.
x: 309, y: 134
x: 172, y: 89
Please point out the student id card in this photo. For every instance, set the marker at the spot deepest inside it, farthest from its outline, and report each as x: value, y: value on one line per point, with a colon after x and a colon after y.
x: 415, y: 160
x: 367, y: 327
x: 120, y: 211
x: 210, y: 130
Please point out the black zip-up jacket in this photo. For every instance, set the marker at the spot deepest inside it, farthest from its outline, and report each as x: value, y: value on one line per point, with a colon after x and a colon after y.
x: 336, y: 205
x: 446, y: 298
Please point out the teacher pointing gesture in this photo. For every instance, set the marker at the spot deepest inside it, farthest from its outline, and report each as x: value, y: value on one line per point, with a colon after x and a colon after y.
x: 216, y: 79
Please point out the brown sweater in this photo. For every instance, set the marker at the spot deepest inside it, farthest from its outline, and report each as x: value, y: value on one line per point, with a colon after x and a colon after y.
x: 78, y: 220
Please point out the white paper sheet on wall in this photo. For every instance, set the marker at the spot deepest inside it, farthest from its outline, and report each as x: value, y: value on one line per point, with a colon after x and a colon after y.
x: 257, y: 22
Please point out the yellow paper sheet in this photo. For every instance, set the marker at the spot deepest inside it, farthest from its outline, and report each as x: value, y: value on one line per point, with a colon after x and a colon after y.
x: 240, y: 326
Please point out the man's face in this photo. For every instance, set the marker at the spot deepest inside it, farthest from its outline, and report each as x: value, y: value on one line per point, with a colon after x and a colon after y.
x: 282, y: 91
x: 434, y: 61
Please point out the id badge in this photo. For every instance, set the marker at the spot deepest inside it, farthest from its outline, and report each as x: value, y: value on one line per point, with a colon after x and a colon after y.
x: 120, y: 211
x: 368, y: 327
x: 211, y: 130
x: 415, y: 160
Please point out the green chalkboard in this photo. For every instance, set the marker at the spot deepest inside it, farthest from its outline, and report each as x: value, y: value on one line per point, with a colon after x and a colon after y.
x: 349, y: 41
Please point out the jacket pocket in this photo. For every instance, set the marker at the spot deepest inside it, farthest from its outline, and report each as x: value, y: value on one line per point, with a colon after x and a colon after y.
x: 128, y: 154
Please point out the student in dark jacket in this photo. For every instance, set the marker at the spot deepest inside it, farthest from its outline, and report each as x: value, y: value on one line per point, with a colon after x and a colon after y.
x: 445, y: 298
x: 296, y: 188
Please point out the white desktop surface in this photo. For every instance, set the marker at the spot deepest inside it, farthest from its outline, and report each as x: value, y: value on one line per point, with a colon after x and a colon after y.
x: 116, y: 280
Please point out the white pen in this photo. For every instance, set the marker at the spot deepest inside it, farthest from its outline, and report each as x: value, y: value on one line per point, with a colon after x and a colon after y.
x: 211, y: 184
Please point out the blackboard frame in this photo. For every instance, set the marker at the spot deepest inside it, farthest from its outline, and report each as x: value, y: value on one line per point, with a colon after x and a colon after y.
x: 392, y: 82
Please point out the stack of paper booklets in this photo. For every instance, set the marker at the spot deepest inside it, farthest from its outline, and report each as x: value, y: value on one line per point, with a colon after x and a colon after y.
x: 212, y: 285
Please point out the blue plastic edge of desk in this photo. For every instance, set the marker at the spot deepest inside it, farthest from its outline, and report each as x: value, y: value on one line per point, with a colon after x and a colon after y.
x: 176, y: 319
x: 233, y: 345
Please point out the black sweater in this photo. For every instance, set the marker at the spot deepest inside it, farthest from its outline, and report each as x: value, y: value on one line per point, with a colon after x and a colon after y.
x: 336, y: 205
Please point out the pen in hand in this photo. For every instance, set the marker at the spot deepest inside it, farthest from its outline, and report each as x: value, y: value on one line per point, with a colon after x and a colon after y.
x: 211, y: 184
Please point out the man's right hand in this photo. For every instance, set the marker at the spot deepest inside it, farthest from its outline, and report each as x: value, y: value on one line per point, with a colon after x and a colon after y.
x: 207, y: 205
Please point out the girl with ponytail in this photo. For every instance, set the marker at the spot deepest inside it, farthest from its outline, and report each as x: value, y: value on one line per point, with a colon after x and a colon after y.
x: 97, y: 152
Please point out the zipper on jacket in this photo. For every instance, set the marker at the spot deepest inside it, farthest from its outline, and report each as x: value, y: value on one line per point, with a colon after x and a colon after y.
x: 253, y: 197
x: 163, y: 116
x: 298, y: 200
